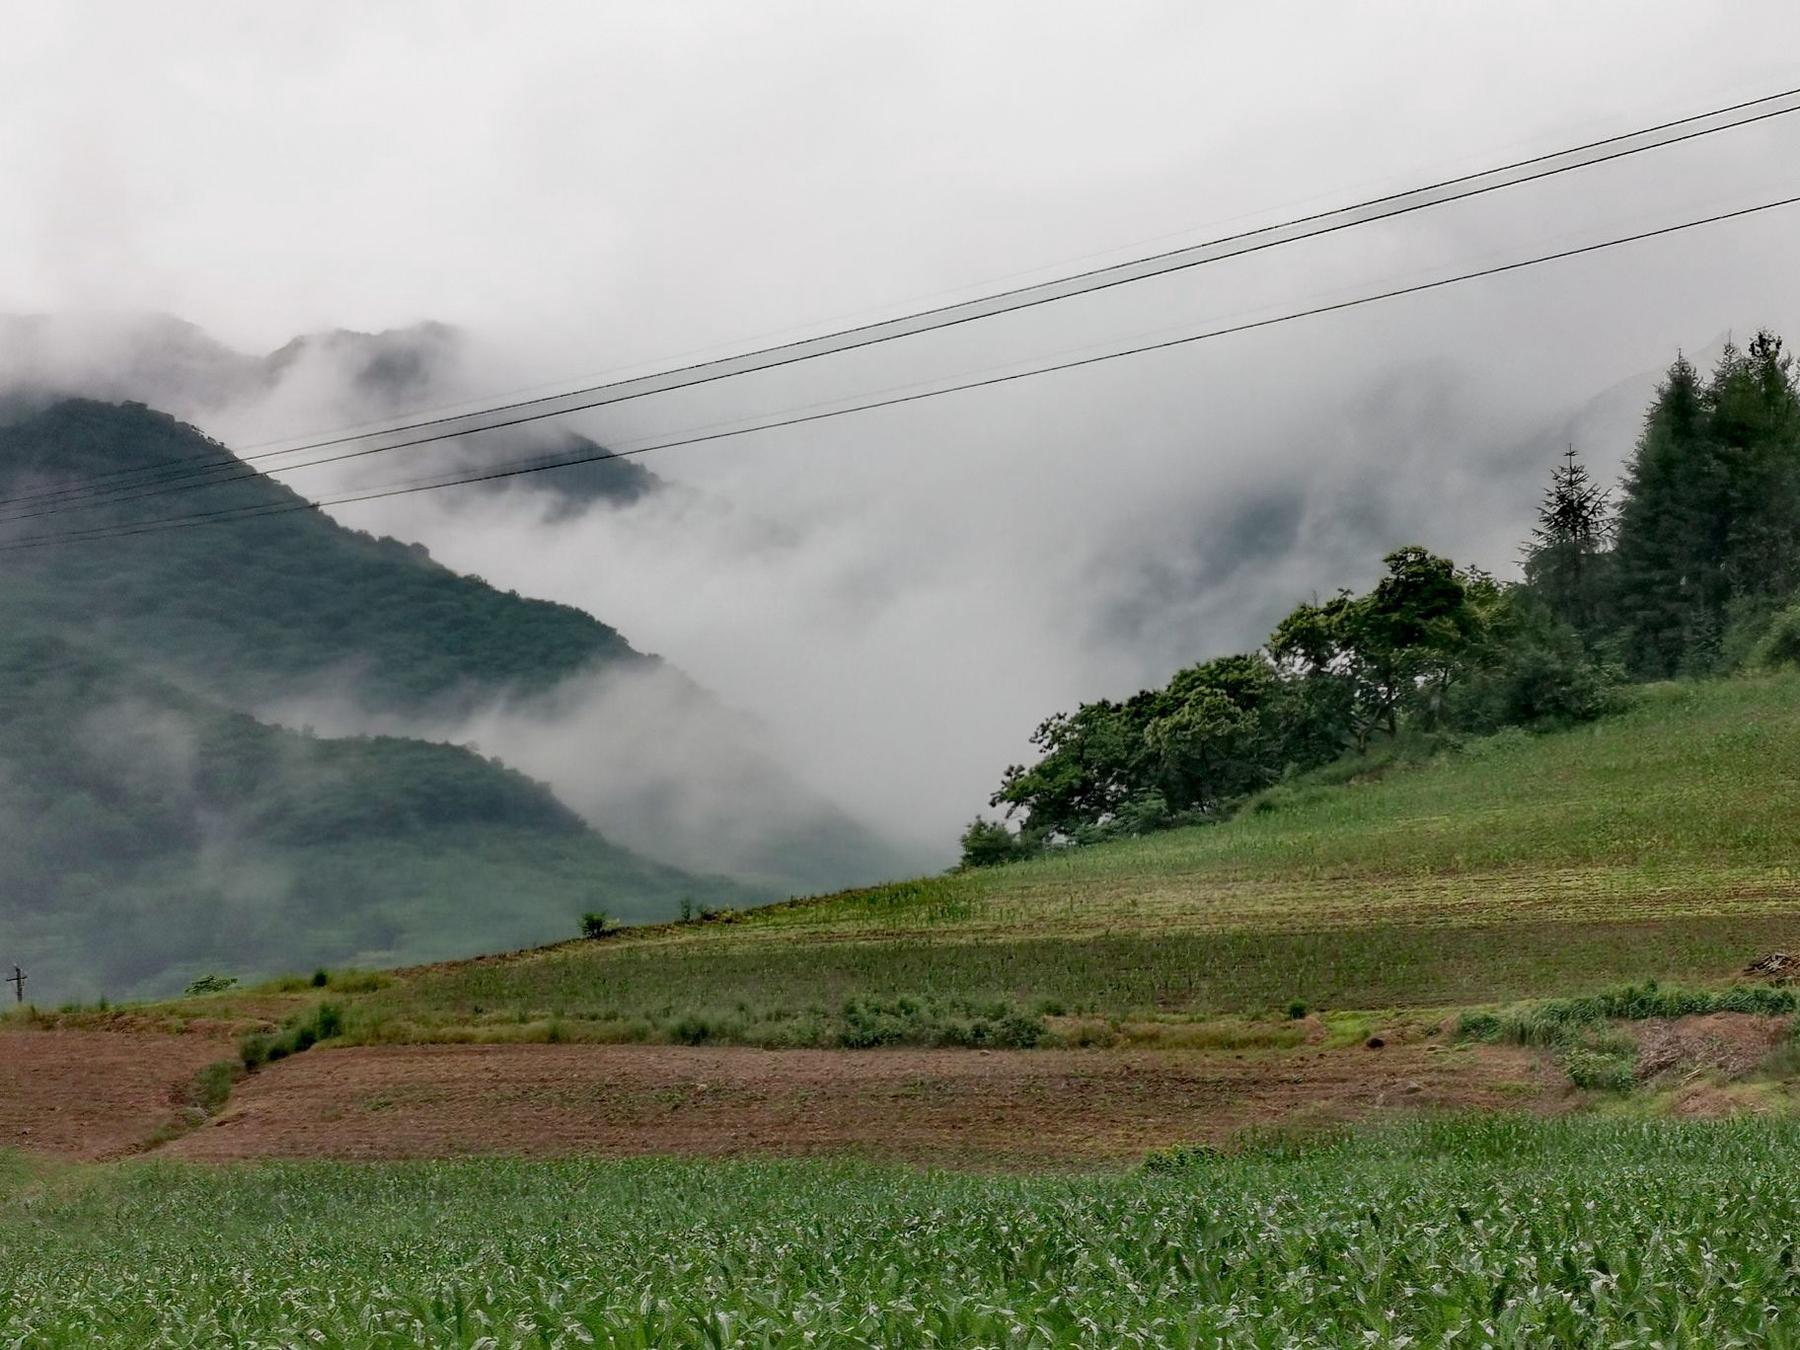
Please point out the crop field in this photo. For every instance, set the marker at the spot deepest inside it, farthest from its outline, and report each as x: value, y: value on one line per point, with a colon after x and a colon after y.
x: 1491, y: 1231
x: 1654, y: 844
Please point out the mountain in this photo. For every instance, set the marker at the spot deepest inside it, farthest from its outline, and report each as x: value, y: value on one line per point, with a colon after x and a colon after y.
x: 366, y: 378
x: 148, y: 835
x: 156, y: 820
x: 250, y: 609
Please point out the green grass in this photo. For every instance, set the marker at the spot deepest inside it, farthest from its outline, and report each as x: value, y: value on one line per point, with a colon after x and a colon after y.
x: 1655, y: 844
x: 1501, y: 1231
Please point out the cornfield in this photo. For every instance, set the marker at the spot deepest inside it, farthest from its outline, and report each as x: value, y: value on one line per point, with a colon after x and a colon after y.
x: 1496, y: 1232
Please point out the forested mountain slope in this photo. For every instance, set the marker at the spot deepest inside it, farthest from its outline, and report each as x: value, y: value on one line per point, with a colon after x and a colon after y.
x: 137, y: 660
x: 148, y: 834
x: 278, y: 614
x: 256, y: 607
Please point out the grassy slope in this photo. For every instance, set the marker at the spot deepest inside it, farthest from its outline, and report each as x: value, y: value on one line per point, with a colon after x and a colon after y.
x: 1655, y: 844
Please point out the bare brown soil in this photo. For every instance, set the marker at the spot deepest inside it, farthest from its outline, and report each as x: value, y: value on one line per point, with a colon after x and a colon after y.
x: 96, y: 1094
x: 1722, y: 1044
x: 939, y: 1106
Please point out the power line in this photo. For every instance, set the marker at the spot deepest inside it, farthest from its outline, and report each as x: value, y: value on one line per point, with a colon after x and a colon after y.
x: 83, y: 496
x: 279, y: 508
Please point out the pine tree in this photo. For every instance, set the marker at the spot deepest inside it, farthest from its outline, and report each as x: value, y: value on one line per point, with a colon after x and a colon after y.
x: 1664, y: 586
x: 1709, y: 530
x: 1756, y: 424
x: 1565, y: 559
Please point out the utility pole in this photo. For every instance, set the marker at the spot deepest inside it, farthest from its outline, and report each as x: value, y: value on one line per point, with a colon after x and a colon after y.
x: 17, y: 981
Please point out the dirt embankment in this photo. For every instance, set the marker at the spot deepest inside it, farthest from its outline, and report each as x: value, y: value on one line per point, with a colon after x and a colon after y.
x: 938, y: 1106
x: 96, y: 1094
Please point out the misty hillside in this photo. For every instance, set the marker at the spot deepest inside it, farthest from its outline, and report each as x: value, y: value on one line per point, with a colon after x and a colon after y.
x: 148, y: 835
x: 155, y: 820
x: 297, y: 619
x: 255, y: 608
x: 168, y: 363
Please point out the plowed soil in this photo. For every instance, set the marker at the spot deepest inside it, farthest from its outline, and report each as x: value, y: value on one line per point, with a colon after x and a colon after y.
x: 95, y: 1094
x: 937, y: 1106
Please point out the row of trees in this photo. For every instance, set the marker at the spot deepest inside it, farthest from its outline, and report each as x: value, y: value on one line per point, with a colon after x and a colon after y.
x: 1690, y: 573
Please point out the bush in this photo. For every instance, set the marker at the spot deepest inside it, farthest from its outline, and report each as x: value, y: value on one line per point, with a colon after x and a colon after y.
x: 866, y: 1023
x: 988, y: 843
x: 1600, y: 1070
x: 1779, y: 646
x: 1179, y: 1158
x: 296, y: 1035
x: 211, y: 1087
x: 1556, y: 1022
x: 598, y: 924
x: 211, y: 984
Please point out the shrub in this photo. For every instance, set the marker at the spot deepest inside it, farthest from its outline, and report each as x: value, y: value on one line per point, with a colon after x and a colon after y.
x: 211, y: 1087
x: 988, y: 843
x: 321, y: 978
x: 296, y: 1035
x: 211, y: 984
x: 598, y: 924
x: 866, y: 1023
x: 1600, y: 1070
x: 1178, y: 1158
x: 1297, y: 1009
x: 1779, y: 645
x: 1479, y: 1026
x: 1561, y: 1021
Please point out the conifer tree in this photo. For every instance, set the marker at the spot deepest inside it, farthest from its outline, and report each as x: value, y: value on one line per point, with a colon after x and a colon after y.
x: 1709, y: 530
x: 1565, y: 558
x: 1664, y: 587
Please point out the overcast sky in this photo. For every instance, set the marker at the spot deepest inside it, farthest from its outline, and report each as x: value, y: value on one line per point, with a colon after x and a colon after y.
x: 901, y: 597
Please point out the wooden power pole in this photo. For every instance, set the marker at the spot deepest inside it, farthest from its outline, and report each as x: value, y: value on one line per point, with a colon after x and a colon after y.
x: 17, y: 981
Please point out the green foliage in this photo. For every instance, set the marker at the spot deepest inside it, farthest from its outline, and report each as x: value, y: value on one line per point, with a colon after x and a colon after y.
x: 1537, y: 672
x: 1488, y: 1231
x: 598, y: 924
x: 987, y: 843
x: 1778, y: 647
x: 209, y: 1089
x: 321, y: 1022
x: 1556, y: 1022
x: 1566, y: 564
x: 1599, y: 1070
x: 211, y: 984
x: 1179, y: 1159
x: 866, y: 1023
x: 1577, y: 1027
x: 1431, y: 648
x: 1711, y: 511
